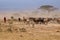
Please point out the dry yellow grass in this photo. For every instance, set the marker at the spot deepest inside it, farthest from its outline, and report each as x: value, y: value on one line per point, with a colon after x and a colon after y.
x: 12, y: 30
x: 39, y: 32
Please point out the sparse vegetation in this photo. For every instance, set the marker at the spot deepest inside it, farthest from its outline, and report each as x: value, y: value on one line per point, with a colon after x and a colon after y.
x: 23, y: 30
x: 10, y: 26
x: 9, y: 30
x: 26, y: 32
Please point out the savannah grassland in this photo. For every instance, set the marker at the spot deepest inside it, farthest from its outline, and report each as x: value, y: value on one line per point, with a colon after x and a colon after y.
x: 15, y: 30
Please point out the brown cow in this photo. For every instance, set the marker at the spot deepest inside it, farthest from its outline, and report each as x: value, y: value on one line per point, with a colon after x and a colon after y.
x: 37, y: 20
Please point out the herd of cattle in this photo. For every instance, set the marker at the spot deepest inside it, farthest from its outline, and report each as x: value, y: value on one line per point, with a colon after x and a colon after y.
x: 37, y: 20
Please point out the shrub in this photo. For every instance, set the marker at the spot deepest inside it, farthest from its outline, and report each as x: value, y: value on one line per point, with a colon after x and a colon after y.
x: 22, y: 30
x: 12, y: 17
x: 9, y: 30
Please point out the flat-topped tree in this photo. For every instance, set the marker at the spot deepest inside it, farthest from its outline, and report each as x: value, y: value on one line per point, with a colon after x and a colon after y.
x: 48, y: 8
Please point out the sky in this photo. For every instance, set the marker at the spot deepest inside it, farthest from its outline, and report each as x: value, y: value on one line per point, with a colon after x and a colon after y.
x: 27, y: 4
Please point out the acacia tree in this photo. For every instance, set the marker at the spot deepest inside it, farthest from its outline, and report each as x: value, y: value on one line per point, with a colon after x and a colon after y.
x: 48, y: 8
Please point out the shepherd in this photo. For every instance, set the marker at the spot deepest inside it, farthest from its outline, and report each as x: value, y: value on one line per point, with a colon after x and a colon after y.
x: 5, y: 19
x: 19, y: 19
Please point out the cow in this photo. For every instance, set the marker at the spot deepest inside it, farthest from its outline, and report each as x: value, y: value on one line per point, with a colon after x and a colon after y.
x: 37, y: 20
x: 47, y: 20
x: 24, y: 20
x: 31, y: 19
x: 41, y: 20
